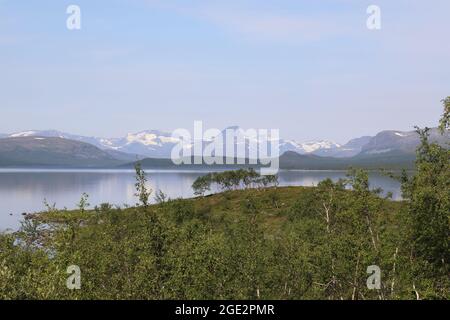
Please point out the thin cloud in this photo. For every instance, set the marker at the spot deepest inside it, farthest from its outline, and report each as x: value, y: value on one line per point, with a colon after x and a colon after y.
x: 262, y: 25
x: 273, y: 26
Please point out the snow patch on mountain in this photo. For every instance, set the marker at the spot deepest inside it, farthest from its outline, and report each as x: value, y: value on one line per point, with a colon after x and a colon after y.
x: 312, y: 146
x: 145, y: 138
x: 23, y: 134
x: 401, y: 134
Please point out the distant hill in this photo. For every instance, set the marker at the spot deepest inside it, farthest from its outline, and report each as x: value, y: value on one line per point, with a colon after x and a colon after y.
x: 391, y: 160
x: 397, y: 141
x: 52, y: 152
x: 293, y: 161
x: 122, y: 156
x: 158, y: 163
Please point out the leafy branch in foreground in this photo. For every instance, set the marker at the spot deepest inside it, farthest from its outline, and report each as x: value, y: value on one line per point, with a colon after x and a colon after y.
x: 444, y: 123
x: 428, y: 214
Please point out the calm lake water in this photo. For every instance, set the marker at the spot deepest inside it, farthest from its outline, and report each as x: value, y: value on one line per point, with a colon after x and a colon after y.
x: 25, y: 190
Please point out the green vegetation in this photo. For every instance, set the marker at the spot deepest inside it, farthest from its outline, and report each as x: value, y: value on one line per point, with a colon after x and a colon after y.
x: 232, y: 180
x: 259, y: 242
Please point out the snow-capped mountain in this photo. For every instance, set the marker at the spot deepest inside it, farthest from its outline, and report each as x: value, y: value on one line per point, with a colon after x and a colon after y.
x: 284, y: 145
x: 312, y: 147
x: 150, y: 143
x: 159, y: 144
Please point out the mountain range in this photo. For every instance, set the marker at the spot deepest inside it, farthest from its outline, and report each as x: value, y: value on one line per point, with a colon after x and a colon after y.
x: 56, y: 148
x: 159, y: 144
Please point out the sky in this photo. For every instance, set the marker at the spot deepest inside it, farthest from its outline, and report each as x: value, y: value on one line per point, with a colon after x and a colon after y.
x: 311, y: 69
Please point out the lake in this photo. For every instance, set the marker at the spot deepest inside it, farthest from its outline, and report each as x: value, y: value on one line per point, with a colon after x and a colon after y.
x: 25, y: 190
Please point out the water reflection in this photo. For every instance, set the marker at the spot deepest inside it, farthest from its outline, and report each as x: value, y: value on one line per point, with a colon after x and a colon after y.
x: 25, y: 190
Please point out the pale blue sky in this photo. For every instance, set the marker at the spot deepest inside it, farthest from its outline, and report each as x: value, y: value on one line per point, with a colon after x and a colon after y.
x: 310, y: 68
